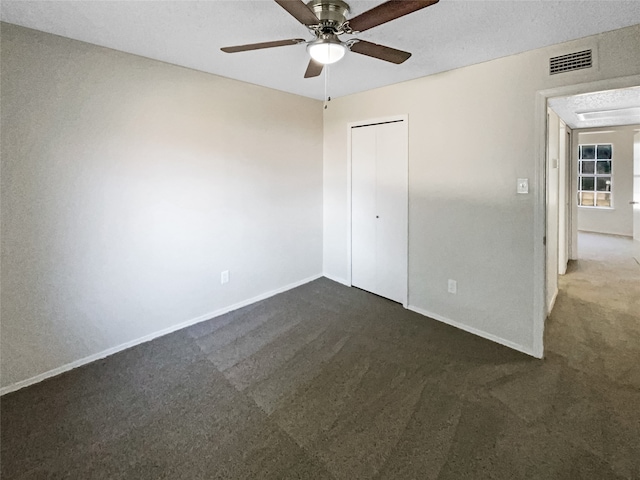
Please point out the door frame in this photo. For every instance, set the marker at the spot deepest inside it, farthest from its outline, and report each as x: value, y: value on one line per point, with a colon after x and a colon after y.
x: 571, y: 171
x: 404, y: 118
x: 636, y: 197
x: 540, y: 214
x: 564, y: 174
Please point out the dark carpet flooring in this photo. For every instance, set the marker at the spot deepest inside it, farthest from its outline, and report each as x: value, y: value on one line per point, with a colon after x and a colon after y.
x: 328, y: 382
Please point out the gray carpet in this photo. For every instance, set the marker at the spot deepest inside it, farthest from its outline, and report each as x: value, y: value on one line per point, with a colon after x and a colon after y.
x: 328, y: 382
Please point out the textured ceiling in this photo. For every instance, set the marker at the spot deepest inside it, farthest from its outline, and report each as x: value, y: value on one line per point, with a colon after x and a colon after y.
x: 568, y: 108
x: 450, y: 34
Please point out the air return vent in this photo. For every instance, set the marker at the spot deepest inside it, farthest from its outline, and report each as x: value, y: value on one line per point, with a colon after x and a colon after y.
x: 570, y: 62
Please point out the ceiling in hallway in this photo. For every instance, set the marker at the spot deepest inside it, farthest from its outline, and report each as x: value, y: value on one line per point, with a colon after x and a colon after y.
x: 448, y: 35
x: 599, y: 109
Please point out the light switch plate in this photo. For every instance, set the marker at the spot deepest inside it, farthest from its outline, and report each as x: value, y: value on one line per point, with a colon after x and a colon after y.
x: 523, y: 185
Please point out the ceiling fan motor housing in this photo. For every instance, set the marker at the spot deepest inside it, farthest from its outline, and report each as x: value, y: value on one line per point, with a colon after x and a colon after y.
x: 331, y: 13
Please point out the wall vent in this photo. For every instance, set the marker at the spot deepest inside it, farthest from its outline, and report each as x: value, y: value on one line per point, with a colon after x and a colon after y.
x: 570, y: 62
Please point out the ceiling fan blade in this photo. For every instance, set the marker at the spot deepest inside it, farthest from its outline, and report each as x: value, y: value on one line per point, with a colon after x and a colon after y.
x: 374, y: 50
x: 313, y: 69
x: 299, y: 11
x: 258, y: 46
x: 386, y: 12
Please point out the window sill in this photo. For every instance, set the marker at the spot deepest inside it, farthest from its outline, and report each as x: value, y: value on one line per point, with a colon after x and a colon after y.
x: 595, y: 208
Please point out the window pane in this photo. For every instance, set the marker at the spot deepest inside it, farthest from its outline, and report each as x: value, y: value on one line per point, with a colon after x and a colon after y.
x: 603, y: 200
x: 588, y: 152
x: 587, y: 183
x: 604, y: 151
x: 587, y: 199
x: 588, y: 167
x: 603, y: 184
x: 604, y: 167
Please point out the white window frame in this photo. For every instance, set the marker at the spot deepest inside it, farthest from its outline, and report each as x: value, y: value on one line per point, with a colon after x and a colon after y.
x: 595, y: 176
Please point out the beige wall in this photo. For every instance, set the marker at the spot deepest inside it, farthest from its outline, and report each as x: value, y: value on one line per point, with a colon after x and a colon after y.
x: 619, y: 219
x: 128, y: 185
x: 472, y: 133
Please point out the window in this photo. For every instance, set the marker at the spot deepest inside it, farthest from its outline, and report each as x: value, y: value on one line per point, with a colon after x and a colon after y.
x: 594, y: 175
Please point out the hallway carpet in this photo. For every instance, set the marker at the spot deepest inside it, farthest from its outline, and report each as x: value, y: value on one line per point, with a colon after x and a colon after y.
x: 330, y: 382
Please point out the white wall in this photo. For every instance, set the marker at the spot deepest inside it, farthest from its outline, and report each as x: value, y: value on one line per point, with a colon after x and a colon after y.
x: 471, y: 135
x: 619, y: 219
x: 128, y: 185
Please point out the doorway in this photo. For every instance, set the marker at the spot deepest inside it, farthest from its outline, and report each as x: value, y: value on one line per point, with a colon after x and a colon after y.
x: 542, y: 271
x: 589, y: 180
x: 378, y: 166
x: 600, y: 170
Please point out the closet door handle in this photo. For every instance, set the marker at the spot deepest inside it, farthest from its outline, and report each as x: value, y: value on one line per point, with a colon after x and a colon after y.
x: 630, y: 203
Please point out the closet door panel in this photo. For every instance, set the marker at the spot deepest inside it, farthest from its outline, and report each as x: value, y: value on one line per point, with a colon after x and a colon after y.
x: 391, y: 211
x: 363, y: 206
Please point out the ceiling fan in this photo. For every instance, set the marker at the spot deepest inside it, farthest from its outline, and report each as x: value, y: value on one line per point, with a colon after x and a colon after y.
x: 327, y: 20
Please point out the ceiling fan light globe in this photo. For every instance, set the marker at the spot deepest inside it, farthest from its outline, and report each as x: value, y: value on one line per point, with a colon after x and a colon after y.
x: 326, y: 53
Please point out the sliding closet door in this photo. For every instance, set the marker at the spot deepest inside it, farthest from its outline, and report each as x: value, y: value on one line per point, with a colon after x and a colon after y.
x: 379, y: 209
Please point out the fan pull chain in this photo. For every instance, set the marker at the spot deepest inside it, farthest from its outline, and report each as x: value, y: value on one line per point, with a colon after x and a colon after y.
x: 326, y: 86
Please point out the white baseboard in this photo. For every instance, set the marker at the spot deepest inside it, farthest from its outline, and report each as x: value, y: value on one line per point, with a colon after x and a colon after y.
x: 110, y: 351
x: 553, y: 302
x: 337, y: 279
x: 475, y: 331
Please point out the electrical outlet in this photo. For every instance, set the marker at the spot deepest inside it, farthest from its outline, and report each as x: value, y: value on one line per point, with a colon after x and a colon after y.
x: 453, y: 286
x: 224, y: 277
